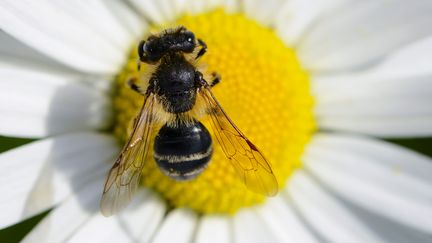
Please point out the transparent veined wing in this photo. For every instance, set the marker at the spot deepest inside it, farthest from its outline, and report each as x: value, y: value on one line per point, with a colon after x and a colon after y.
x: 124, y: 177
x: 249, y: 163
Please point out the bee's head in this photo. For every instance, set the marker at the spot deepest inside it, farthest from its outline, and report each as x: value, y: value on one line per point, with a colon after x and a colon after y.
x: 155, y: 47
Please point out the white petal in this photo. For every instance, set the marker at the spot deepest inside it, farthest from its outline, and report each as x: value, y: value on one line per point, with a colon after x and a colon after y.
x: 249, y: 227
x: 328, y: 217
x: 213, y: 229
x: 12, y: 50
x: 389, y: 100
x: 263, y: 11
x: 178, y: 226
x: 130, y: 20
x: 151, y: 10
x: 390, y: 230
x: 143, y: 216
x: 195, y: 6
x: 96, y: 15
x: 38, y: 175
x: 137, y: 223
x: 391, y: 117
x: 101, y: 229
x: 410, y: 60
x: 383, y: 178
x: 232, y: 6
x: 179, y: 6
x: 405, y: 113
x: 407, y: 101
x: 283, y: 221
x: 296, y: 17
x: 64, y: 220
x: 361, y: 33
x: 36, y: 103
x: 167, y: 9
x: 72, y: 42
x: 199, y: 6
x: 405, y: 127
x: 406, y: 62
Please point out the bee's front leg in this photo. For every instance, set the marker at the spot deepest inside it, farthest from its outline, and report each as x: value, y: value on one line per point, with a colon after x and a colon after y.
x: 203, y: 49
x: 132, y: 83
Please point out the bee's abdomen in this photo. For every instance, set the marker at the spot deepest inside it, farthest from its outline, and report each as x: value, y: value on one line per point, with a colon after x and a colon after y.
x: 183, y: 152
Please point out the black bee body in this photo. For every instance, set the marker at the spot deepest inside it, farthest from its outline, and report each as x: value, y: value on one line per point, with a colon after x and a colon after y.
x: 182, y: 150
x: 175, y: 83
x: 176, y: 94
x: 171, y: 40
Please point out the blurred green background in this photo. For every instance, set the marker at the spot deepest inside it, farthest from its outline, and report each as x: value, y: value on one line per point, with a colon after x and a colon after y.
x: 17, y: 232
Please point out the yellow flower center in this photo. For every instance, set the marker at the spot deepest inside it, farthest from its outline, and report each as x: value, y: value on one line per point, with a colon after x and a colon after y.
x: 263, y: 89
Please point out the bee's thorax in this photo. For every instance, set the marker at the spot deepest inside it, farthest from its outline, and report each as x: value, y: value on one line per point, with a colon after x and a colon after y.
x: 175, y: 83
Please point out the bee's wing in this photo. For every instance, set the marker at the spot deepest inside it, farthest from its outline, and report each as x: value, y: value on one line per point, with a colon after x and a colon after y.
x: 124, y: 177
x: 247, y: 160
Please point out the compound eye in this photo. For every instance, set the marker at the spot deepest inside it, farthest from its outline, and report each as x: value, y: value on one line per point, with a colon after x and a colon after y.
x: 141, y: 48
x: 190, y: 37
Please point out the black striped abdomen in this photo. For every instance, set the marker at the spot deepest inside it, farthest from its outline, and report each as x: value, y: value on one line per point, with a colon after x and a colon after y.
x: 183, y: 152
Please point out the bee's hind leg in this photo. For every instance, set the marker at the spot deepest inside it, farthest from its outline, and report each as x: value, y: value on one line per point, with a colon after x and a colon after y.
x: 216, y: 79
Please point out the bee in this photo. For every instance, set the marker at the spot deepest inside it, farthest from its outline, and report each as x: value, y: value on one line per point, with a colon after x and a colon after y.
x: 176, y: 95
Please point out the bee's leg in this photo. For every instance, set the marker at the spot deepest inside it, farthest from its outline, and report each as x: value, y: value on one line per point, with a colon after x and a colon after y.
x: 216, y: 79
x: 203, y: 49
x: 201, y: 82
x: 132, y: 84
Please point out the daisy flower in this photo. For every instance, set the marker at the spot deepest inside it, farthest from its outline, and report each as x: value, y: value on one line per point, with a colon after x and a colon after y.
x: 315, y: 85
